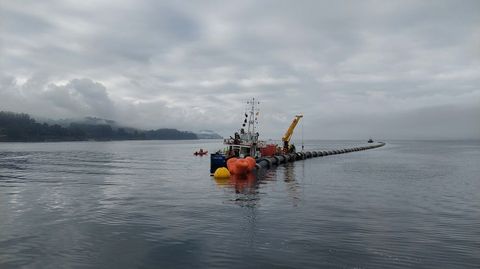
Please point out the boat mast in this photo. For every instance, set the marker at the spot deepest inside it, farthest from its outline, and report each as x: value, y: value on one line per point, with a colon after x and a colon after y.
x: 252, y: 119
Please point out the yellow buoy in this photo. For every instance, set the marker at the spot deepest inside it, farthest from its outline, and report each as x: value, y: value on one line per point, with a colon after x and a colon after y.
x: 221, y: 172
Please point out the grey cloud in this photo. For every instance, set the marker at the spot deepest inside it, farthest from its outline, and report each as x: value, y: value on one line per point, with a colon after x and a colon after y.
x: 188, y: 62
x: 24, y: 24
x: 85, y: 95
x: 78, y: 97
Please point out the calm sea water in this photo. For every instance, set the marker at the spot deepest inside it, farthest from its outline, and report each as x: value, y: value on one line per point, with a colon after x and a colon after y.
x: 152, y: 204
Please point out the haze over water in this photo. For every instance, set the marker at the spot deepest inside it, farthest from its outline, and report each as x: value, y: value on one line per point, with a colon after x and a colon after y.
x: 152, y: 204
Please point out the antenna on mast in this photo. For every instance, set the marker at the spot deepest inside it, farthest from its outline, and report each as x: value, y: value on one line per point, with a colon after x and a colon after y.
x: 252, y: 115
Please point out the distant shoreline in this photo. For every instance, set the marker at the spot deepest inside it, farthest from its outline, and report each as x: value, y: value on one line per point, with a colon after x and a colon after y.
x: 20, y: 127
x: 116, y: 140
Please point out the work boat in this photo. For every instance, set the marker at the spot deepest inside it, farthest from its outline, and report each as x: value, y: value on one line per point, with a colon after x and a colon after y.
x: 245, y: 144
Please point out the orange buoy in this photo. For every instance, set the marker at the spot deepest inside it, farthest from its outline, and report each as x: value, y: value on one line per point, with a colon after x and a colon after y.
x: 230, y: 165
x: 251, y: 163
x: 240, y: 166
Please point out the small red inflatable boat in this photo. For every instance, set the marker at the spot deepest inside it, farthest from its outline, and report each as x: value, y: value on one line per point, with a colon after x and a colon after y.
x: 200, y: 152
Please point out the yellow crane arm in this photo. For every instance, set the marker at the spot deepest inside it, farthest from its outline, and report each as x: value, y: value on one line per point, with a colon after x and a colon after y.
x: 288, y: 134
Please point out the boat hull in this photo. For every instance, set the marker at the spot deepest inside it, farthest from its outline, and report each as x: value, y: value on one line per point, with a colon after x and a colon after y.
x: 217, y: 160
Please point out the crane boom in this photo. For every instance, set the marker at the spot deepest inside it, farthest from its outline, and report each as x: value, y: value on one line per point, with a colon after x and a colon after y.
x: 288, y: 134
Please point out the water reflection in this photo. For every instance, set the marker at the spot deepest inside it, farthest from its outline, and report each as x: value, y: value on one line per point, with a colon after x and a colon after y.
x: 292, y: 185
x: 49, y: 194
x: 246, y: 188
x: 150, y: 205
x: 240, y: 183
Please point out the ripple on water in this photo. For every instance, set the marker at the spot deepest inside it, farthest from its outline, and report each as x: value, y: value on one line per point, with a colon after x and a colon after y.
x: 152, y: 204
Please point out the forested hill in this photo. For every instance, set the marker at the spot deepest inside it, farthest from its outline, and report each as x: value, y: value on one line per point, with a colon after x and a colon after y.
x: 22, y: 128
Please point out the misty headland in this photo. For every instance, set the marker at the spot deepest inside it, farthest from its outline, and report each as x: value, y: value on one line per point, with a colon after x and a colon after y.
x: 21, y: 127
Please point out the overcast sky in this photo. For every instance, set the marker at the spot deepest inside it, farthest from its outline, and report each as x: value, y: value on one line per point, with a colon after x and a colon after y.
x: 355, y: 69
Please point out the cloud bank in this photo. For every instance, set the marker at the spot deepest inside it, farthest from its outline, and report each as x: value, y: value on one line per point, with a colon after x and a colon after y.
x: 396, y: 69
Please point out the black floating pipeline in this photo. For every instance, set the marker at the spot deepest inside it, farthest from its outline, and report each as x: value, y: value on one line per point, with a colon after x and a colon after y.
x: 269, y: 162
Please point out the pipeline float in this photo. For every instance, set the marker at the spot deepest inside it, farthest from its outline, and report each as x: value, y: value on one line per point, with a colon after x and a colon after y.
x: 269, y: 162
